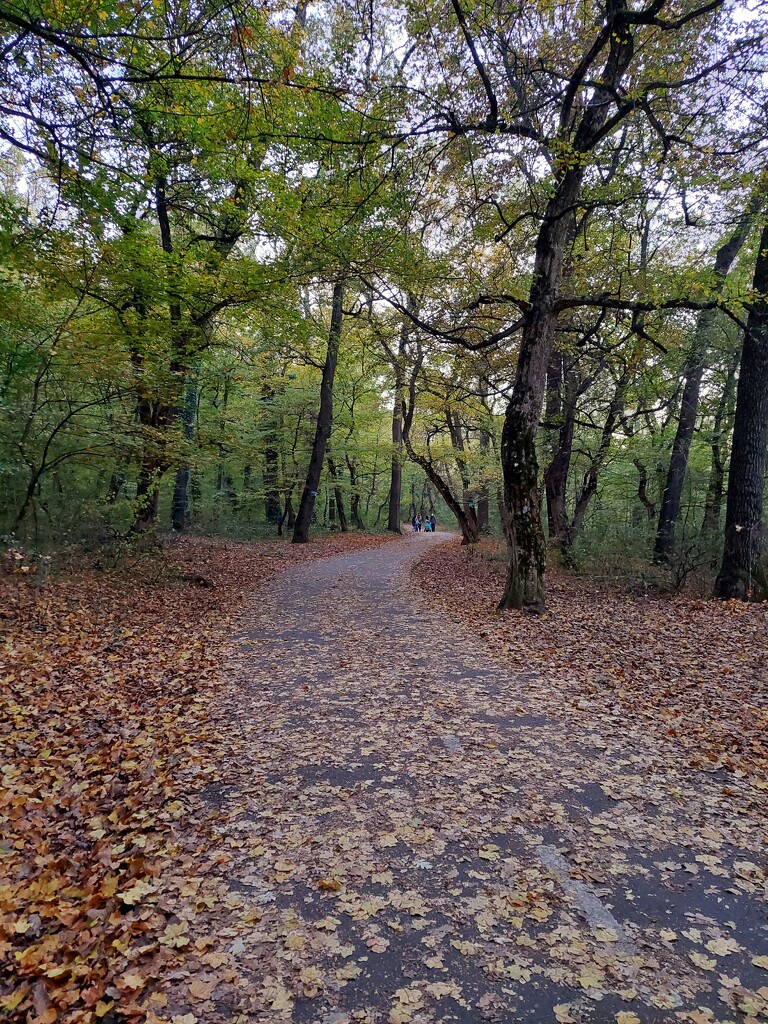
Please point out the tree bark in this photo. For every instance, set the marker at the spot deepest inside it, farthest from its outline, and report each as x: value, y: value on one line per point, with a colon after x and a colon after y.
x: 396, y: 482
x: 642, y: 488
x: 556, y: 476
x: 324, y: 421
x: 721, y: 428
x: 466, y: 519
x: 741, y: 574
x: 526, y: 546
x: 354, y: 504
x: 154, y: 417
x: 343, y: 524
x: 589, y: 484
x: 689, y: 407
x: 457, y: 440
x: 271, y: 470
x: 180, y: 501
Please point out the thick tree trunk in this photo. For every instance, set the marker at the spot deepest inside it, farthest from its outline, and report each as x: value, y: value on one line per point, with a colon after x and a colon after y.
x: 324, y: 421
x: 526, y: 548
x: 154, y: 417
x: 525, y: 537
x: 396, y: 481
x: 689, y: 407
x: 741, y: 573
x: 556, y: 476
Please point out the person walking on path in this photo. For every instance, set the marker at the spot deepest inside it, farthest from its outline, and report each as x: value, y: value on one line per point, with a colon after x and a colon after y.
x: 415, y: 522
x: 433, y: 523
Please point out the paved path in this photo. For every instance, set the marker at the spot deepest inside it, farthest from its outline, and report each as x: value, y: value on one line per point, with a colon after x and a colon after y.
x: 414, y: 834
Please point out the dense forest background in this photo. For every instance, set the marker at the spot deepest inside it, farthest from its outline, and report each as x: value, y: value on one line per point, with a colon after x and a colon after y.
x: 265, y: 269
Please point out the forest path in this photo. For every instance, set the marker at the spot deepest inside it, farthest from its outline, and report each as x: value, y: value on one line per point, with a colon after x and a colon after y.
x: 413, y: 834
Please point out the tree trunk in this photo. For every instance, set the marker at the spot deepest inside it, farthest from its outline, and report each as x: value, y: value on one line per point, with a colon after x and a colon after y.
x: 457, y: 440
x: 396, y: 483
x: 154, y: 417
x: 556, y: 476
x: 741, y: 574
x: 589, y: 485
x: 324, y: 421
x: 642, y: 488
x: 288, y: 516
x: 354, y: 505
x: 180, y: 501
x: 466, y: 518
x: 271, y: 489
x: 271, y: 471
x: 689, y: 407
x: 716, y: 486
x: 343, y: 524
x: 525, y: 539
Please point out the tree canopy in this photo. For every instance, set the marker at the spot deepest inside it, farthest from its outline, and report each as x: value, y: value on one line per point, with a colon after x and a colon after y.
x: 355, y: 262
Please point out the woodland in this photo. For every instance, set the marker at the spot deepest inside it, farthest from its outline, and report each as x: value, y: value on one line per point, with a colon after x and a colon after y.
x: 275, y: 278
x: 265, y: 268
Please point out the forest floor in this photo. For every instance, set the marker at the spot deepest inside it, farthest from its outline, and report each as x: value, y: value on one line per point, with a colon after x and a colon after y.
x: 349, y: 792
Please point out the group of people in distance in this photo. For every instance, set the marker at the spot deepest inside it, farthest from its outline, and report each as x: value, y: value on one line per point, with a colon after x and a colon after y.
x: 428, y: 523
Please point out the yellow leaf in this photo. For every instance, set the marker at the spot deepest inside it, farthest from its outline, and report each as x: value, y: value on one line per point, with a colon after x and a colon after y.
x: 722, y: 947
x: 12, y: 1001
x: 625, y: 1017
x: 702, y: 961
x: 132, y: 981
x: 590, y: 978
x: 563, y: 1014
x: 199, y: 989
x: 281, y: 1000
x: 760, y: 961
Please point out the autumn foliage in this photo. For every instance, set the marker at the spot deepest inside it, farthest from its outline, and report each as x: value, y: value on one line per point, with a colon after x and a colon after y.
x: 106, y: 683
x: 691, y: 671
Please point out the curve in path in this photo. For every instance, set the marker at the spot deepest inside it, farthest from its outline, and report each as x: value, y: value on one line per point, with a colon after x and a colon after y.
x: 414, y: 834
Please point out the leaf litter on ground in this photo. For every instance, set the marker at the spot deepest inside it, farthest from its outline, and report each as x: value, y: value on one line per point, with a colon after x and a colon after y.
x: 693, y: 671
x: 106, y: 684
